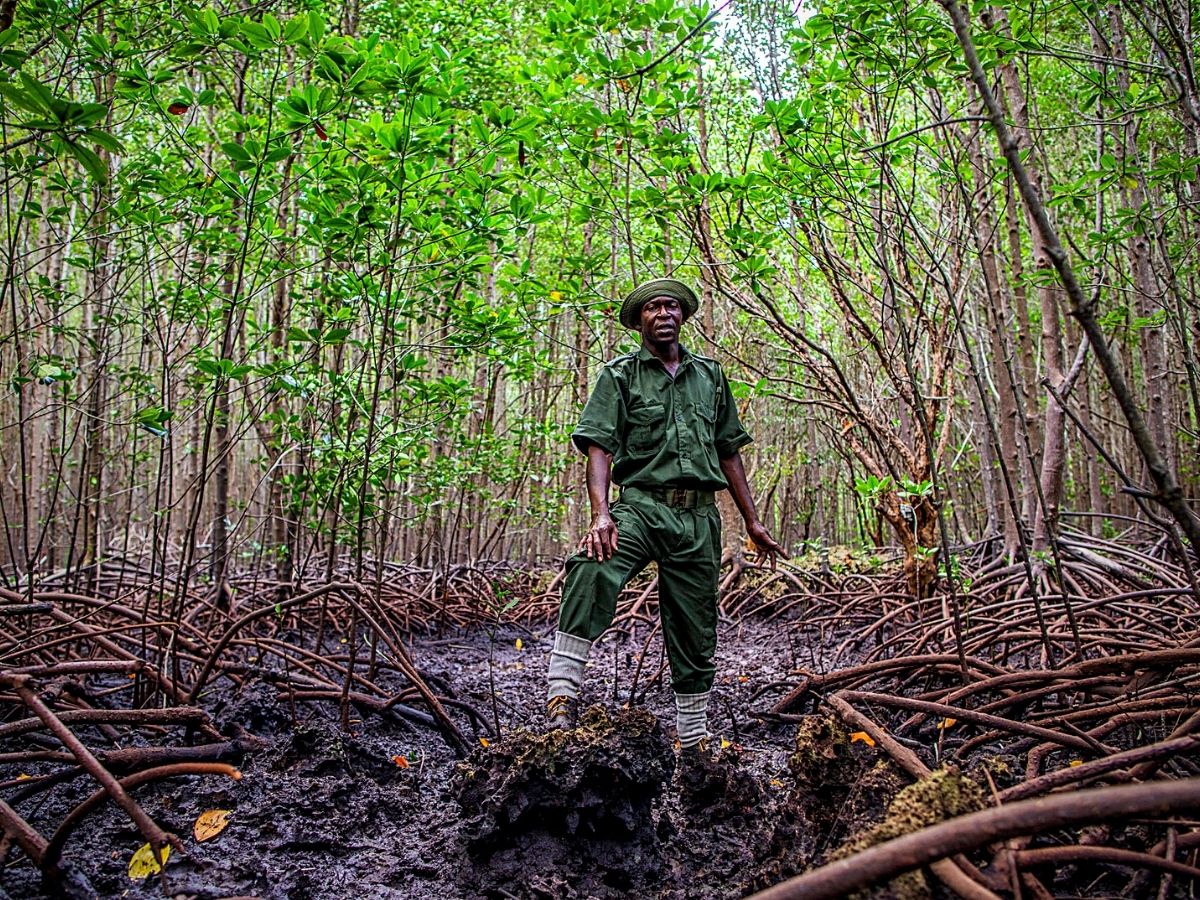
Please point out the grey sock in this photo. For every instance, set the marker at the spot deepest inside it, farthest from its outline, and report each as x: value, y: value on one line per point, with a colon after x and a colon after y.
x: 567, y: 659
x: 691, y: 718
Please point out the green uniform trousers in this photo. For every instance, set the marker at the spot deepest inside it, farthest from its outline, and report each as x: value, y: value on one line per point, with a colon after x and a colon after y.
x: 686, y: 544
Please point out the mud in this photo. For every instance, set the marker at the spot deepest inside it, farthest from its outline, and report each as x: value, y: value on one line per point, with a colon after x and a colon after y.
x: 605, y: 810
x: 568, y: 813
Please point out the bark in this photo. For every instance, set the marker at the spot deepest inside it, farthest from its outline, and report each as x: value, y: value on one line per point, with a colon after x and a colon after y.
x: 1168, y: 491
x: 1054, y: 451
x: 1022, y: 367
x: 1157, y: 384
x: 984, y: 232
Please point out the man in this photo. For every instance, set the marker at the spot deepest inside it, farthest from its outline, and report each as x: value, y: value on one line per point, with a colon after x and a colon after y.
x: 662, y: 424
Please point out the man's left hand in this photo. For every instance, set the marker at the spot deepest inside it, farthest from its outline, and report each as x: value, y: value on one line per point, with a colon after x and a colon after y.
x: 767, y: 546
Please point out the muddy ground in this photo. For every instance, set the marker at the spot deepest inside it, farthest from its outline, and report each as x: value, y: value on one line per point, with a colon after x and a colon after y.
x: 605, y: 811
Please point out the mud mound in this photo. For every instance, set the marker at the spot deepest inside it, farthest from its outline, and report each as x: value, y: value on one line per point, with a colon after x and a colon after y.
x: 840, y: 788
x: 569, y: 813
x: 721, y: 818
x: 945, y: 794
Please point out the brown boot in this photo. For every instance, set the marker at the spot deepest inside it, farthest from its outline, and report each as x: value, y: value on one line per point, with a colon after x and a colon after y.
x: 562, y: 711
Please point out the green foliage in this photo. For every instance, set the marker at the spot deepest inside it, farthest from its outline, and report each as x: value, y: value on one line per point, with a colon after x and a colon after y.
x: 377, y: 241
x: 871, y: 488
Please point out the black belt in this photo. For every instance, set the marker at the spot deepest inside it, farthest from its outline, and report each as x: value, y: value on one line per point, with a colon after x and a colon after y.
x: 683, y: 498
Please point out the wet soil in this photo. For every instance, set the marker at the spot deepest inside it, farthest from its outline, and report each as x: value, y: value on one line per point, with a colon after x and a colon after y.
x: 385, y: 810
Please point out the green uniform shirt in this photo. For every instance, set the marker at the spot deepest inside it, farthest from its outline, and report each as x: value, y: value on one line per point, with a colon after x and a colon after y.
x: 663, y: 432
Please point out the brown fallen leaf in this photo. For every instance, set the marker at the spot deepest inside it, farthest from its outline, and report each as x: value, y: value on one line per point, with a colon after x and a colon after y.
x: 211, y: 823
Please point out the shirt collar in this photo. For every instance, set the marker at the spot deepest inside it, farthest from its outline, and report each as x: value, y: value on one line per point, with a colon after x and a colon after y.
x: 685, y: 356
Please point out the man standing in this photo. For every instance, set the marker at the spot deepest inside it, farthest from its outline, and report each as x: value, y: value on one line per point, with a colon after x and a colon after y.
x: 662, y: 424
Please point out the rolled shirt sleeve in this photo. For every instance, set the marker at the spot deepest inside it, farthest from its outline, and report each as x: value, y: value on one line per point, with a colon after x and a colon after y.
x: 603, y: 419
x: 729, y: 436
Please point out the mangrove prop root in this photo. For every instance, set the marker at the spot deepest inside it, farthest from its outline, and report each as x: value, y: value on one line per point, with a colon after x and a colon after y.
x: 885, y: 861
x: 155, y: 836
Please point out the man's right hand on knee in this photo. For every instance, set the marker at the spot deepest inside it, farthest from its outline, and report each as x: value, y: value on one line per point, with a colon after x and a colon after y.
x: 600, y: 542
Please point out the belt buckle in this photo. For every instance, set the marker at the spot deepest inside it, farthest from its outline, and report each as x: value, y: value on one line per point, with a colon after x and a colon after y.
x: 678, y: 497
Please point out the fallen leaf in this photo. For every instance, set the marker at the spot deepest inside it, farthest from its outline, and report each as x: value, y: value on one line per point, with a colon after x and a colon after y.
x: 864, y: 737
x: 177, y: 109
x: 775, y: 783
x: 143, y: 863
x: 211, y: 823
x: 946, y: 723
x: 24, y: 776
x: 484, y: 742
x: 520, y: 644
x: 1076, y: 762
x: 725, y: 745
x: 742, y: 679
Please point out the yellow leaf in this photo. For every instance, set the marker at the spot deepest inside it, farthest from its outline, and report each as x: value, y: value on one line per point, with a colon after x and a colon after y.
x: 1076, y: 762
x: 211, y: 823
x: 725, y: 745
x: 24, y: 776
x: 742, y: 679
x: 401, y: 761
x: 556, y: 296
x: 580, y: 78
x: 775, y: 783
x: 143, y: 863
x: 864, y: 737
x: 520, y: 644
x: 946, y: 723
x: 484, y: 742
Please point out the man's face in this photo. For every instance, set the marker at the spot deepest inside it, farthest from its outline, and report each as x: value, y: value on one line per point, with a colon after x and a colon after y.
x: 660, y: 320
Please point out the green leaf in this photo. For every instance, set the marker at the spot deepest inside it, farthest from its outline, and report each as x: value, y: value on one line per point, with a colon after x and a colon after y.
x: 89, y: 160
x: 104, y: 140
x: 296, y: 29
x: 40, y: 97
x: 316, y: 26
x: 257, y: 35
x: 236, y: 152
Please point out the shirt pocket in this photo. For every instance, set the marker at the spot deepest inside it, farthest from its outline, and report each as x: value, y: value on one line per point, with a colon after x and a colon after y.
x: 705, y: 417
x: 645, y: 428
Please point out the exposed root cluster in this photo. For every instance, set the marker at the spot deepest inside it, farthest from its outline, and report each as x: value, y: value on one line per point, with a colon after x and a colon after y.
x: 1036, y: 682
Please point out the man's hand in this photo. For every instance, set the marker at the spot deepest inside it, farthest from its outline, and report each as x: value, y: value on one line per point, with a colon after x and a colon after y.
x: 767, y: 546
x: 600, y: 543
